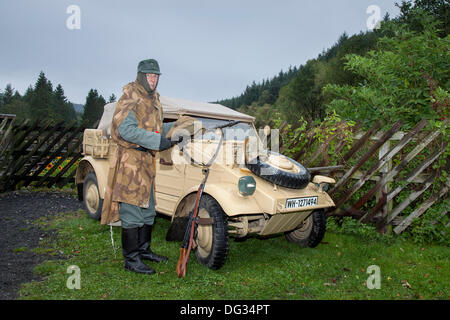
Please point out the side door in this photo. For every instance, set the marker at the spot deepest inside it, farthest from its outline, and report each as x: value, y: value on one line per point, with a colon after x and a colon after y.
x: 169, y: 182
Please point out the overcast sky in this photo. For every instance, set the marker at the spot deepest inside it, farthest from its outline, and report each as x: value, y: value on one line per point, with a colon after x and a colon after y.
x: 207, y: 50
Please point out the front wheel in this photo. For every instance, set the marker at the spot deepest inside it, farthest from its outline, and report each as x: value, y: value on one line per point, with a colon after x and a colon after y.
x: 91, y: 196
x: 212, y: 239
x: 310, y: 232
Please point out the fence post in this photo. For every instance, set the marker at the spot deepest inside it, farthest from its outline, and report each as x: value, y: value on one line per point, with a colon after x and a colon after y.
x: 385, y: 189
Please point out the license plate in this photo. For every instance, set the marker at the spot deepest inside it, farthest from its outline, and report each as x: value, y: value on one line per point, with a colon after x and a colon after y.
x: 301, y: 202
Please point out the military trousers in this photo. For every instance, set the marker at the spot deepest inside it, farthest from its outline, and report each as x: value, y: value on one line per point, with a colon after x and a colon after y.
x: 133, y: 216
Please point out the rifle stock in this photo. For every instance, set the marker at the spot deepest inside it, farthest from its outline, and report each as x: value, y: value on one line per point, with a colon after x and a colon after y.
x: 181, y: 272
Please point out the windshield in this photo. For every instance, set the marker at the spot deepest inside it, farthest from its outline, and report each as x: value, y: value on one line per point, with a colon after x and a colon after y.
x: 237, y: 132
x: 234, y: 137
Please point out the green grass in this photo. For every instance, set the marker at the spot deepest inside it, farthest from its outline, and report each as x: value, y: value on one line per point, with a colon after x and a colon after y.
x: 67, y: 189
x: 257, y: 268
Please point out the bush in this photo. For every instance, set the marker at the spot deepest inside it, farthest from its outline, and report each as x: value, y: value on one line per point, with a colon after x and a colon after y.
x: 431, y: 227
x: 350, y: 226
x: 405, y: 78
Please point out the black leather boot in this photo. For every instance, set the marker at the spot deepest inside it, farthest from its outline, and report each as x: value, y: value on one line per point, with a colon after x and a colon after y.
x: 145, y: 239
x: 130, y: 250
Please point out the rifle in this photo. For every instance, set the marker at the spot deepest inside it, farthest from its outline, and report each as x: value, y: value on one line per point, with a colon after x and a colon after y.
x: 190, y: 230
x: 189, y: 233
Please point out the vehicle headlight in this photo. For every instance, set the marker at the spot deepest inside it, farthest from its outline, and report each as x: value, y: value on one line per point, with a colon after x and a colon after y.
x: 247, y: 185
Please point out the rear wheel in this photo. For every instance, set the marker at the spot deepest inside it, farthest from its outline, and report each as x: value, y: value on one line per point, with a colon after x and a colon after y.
x: 212, y: 239
x: 91, y: 196
x: 310, y: 232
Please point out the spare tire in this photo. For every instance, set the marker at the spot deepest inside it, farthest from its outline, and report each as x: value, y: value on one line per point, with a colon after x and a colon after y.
x: 289, y: 174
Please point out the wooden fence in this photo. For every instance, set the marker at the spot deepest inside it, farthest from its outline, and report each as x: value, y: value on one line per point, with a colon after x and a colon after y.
x: 38, y: 152
x: 388, y: 171
x: 371, y: 173
x: 6, y: 121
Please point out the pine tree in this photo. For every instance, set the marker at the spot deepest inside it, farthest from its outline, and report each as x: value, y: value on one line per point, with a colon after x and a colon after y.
x: 16, y: 96
x: 112, y: 98
x: 59, y: 101
x: 15, y: 104
x: 41, y: 102
x: 93, y: 108
x: 63, y: 108
x: 18, y: 107
x: 28, y: 96
x: 8, y: 94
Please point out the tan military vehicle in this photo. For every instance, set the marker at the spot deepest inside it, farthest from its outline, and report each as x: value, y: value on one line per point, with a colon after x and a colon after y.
x: 247, y: 192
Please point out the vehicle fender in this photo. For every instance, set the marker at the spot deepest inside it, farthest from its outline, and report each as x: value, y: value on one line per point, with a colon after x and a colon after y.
x: 227, y: 195
x: 99, y: 167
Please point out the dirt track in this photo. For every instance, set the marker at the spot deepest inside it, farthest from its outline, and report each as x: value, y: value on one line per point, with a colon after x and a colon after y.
x: 18, y: 234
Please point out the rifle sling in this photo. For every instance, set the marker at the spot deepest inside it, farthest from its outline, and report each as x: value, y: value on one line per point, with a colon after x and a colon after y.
x: 205, y: 221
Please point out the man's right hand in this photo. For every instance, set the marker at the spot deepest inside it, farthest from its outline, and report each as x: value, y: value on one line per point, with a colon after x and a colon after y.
x: 164, y: 143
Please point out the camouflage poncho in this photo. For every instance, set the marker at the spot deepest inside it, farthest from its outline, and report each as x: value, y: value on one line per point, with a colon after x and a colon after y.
x: 131, y: 172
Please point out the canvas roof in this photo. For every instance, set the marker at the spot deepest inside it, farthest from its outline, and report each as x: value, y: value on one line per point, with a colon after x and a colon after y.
x: 174, y: 107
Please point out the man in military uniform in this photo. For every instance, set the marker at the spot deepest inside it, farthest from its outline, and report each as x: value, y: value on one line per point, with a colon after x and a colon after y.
x: 137, y: 128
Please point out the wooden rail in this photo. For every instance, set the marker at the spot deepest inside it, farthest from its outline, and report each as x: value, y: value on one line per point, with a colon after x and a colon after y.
x: 38, y: 153
x: 380, y: 149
